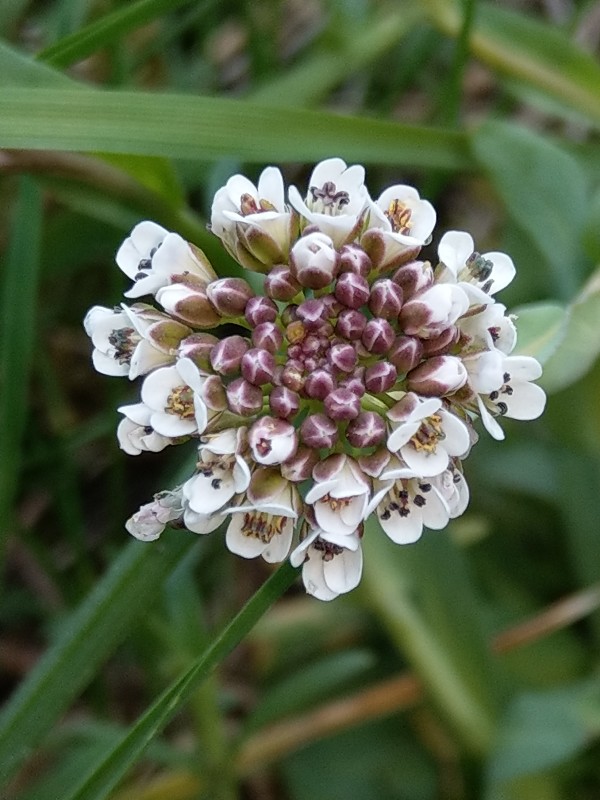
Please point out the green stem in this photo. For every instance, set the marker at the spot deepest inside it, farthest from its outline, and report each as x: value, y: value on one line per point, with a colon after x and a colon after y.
x: 114, y: 765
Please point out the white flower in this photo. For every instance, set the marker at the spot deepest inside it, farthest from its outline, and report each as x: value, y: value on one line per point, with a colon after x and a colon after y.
x: 135, y: 433
x: 272, y: 440
x: 330, y: 566
x: 222, y: 473
x: 490, y: 329
x: 515, y: 396
x: 489, y: 272
x: 426, y: 435
x: 264, y: 526
x: 452, y: 486
x: 336, y: 199
x: 201, y: 523
x: 150, y: 255
x: 340, y: 495
x: 149, y: 522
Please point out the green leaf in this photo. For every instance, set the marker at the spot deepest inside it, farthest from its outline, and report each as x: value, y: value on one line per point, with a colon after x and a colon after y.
x: 17, y: 69
x: 528, y: 50
x: 105, y: 775
x: 542, y: 729
x: 580, y: 345
x: 106, y: 30
x: 541, y: 327
x: 208, y: 128
x: 544, y: 193
x: 18, y: 307
x: 87, y: 639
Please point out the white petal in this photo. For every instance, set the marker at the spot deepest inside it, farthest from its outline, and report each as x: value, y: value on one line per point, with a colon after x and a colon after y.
x: 527, y: 401
x: 423, y: 463
x: 343, y: 572
x: 107, y: 365
x: 403, y: 530
x: 457, y: 439
x: 313, y: 578
x: 454, y: 249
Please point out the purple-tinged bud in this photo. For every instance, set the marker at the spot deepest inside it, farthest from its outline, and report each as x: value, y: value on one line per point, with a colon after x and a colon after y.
x: 342, y: 356
x: 319, y: 384
x: 413, y: 277
x: 352, y: 290
x: 267, y: 336
x: 350, y: 324
x: 260, y: 309
x: 374, y: 464
x: 332, y: 306
x: 367, y: 430
x: 319, y: 431
x: 311, y: 364
x: 280, y: 284
x: 244, y: 398
x: 295, y: 351
x: 258, y: 366
x: 314, y: 261
x: 378, y: 336
x: 300, y: 466
x: 380, y: 377
x: 293, y: 377
x: 404, y: 408
x: 226, y: 355
x: 312, y: 314
x: 213, y: 393
x: 310, y: 346
x: 354, y: 259
x: 198, y: 348
x: 289, y: 314
x: 230, y: 296
x: 440, y: 345
x: 385, y: 299
x: 429, y: 313
x: 185, y: 298
x: 405, y: 353
x: 342, y: 404
x: 277, y: 375
x: 437, y: 376
x: 284, y: 402
x: 355, y: 383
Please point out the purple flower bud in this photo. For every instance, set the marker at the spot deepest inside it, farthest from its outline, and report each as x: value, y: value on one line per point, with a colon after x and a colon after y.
x: 267, y: 336
x: 342, y: 404
x: 332, y: 306
x: 354, y: 259
x: 343, y: 357
x: 439, y: 345
x: 280, y: 284
x: 289, y: 314
x: 437, y: 376
x: 300, y: 466
x: 292, y: 377
x: 312, y: 314
x: 284, y: 402
x: 413, y: 277
x: 310, y: 346
x: 314, y: 261
x: 198, y: 347
x: 380, y: 377
x: 213, y: 393
x: 354, y: 382
x: 385, y: 299
x: 405, y: 353
x: 185, y: 298
x: 350, y: 324
x: 367, y: 430
x: 260, y: 309
x: 318, y: 431
x: 258, y: 366
x: 230, y: 295
x: 352, y: 290
x: 277, y: 375
x: 319, y: 384
x: 244, y: 398
x: 226, y: 355
x: 378, y: 336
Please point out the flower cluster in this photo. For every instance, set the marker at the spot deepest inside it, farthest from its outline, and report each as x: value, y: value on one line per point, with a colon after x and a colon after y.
x: 350, y: 387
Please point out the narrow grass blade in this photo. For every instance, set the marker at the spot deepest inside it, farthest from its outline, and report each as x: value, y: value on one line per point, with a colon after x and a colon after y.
x: 180, y: 126
x: 106, y: 775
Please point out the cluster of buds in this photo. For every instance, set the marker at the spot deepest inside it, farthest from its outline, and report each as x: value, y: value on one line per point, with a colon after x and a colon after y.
x: 348, y: 387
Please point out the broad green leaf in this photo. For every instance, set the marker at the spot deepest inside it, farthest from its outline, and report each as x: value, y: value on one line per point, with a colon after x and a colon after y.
x: 541, y: 328
x: 544, y: 193
x: 207, y: 128
x: 18, y: 306
x: 17, y: 69
x: 580, y: 346
x: 92, y: 633
x: 104, y: 776
x: 542, y: 729
x: 528, y: 50
x: 105, y: 30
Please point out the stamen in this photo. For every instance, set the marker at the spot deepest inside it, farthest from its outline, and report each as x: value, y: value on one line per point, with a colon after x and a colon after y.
x: 248, y: 205
x: 429, y: 434
x: 327, y: 200
x: 399, y: 216
x: 124, y: 341
x: 180, y: 402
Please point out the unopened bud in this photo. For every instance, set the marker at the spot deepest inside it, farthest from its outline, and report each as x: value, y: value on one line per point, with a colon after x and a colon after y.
x: 437, y: 376
x: 292, y: 377
x: 380, y: 377
x: 350, y: 324
x: 289, y: 314
x: 367, y: 430
x: 352, y: 290
x: 300, y: 466
x: 405, y: 353
x: 226, y: 355
x: 378, y: 336
x: 385, y: 299
x: 354, y: 259
x: 319, y: 384
x: 312, y: 313
x: 440, y: 345
x: 342, y: 357
x: 355, y: 382
x: 198, y: 348
x: 187, y: 300
x: 258, y: 366
x: 342, y: 404
x: 414, y: 277
x: 267, y: 336
x: 314, y: 261
x: 318, y: 430
x: 230, y: 296
x: 260, y: 309
x: 244, y: 398
x: 280, y: 284
x: 284, y: 402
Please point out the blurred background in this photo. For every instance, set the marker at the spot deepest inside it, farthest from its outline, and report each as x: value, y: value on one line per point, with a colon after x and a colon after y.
x: 465, y: 666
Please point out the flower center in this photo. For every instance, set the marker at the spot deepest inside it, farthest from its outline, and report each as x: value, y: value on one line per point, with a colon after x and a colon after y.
x: 180, y: 402
x: 327, y: 200
x: 248, y: 205
x: 399, y: 216
x: 328, y: 549
x: 505, y: 389
x: 429, y: 434
x: 124, y: 341
x: 479, y: 267
x: 262, y: 526
x: 336, y: 503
